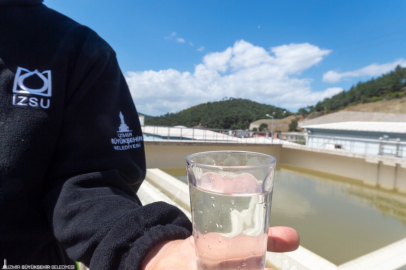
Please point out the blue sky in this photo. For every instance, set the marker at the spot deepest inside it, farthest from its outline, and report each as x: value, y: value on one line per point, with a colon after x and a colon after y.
x: 176, y: 54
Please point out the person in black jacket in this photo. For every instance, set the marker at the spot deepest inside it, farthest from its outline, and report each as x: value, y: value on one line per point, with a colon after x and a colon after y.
x: 72, y: 152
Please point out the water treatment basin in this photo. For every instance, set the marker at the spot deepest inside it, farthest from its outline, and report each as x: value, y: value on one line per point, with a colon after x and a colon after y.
x: 337, y: 218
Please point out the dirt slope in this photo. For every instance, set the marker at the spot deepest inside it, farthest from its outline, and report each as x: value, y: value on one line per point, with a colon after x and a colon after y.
x: 383, y: 106
x: 279, y: 125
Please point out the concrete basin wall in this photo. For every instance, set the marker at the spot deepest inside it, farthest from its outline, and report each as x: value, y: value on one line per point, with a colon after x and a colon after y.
x: 386, y: 172
x: 172, y: 154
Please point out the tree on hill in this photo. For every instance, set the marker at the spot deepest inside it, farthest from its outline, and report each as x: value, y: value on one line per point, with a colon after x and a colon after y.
x: 387, y: 86
x: 303, y: 111
x: 146, y: 117
x: 263, y: 127
x: 293, y: 125
x: 229, y: 113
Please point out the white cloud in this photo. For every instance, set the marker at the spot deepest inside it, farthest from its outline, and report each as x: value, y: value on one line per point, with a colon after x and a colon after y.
x: 315, y: 97
x: 370, y: 71
x: 173, y: 36
x: 218, y: 61
x: 241, y: 71
x: 298, y: 57
x: 191, y: 44
x: 200, y: 49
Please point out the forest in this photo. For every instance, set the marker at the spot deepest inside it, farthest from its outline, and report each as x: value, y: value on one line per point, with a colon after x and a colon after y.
x: 388, y: 86
x: 229, y: 113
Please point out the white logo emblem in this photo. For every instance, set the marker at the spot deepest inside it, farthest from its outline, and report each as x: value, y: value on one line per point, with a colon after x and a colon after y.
x: 125, y: 139
x: 22, y: 74
x: 24, y: 96
x: 123, y: 127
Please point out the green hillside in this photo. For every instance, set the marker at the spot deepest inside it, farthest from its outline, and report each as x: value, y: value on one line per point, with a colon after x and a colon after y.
x: 232, y: 113
x: 388, y: 86
x: 146, y: 116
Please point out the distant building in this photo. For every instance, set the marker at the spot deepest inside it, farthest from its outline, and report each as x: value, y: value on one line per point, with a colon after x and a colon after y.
x: 376, y: 138
x: 142, y: 120
x: 242, y: 133
x: 347, y: 116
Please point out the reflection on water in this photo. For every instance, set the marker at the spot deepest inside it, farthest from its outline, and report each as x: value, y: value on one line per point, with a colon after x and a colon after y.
x: 337, y: 218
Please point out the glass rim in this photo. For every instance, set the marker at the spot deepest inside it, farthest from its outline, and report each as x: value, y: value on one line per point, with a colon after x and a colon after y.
x: 190, y: 161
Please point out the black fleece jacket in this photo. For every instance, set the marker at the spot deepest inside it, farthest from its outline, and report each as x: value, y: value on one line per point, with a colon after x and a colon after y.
x: 71, y: 149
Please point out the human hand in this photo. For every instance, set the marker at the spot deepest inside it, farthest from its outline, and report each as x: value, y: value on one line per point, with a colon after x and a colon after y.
x: 180, y: 254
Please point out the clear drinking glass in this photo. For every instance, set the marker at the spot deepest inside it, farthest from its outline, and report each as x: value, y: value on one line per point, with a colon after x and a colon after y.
x: 230, y: 198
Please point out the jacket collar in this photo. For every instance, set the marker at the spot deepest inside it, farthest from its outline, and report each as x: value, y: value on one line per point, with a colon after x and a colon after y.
x: 20, y: 2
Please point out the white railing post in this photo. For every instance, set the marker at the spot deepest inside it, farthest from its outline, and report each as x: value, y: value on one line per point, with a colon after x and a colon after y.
x: 398, y: 148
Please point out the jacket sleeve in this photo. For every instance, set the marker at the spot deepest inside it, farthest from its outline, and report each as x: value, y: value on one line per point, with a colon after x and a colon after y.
x: 98, y: 165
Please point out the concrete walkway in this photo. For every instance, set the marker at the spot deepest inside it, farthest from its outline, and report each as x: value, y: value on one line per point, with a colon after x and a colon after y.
x: 392, y: 256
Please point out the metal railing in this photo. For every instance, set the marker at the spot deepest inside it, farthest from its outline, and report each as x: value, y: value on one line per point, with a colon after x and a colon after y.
x: 162, y: 133
x: 384, y: 147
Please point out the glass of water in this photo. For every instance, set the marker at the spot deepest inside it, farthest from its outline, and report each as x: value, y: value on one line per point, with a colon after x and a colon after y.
x: 230, y: 198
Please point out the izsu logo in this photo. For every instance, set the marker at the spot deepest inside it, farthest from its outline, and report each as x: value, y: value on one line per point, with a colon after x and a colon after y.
x: 39, y: 84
